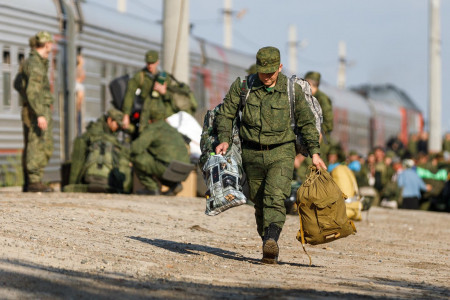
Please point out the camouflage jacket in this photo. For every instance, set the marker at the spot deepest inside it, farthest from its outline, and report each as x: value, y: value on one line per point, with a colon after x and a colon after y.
x: 156, y: 106
x: 163, y: 141
x: 266, y: 115
x: 327, y: 111
x: 38, y: 94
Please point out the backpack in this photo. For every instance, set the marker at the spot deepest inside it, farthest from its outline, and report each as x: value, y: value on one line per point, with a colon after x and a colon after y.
x: 20, y: 83
x: 300, y: 146
x: 118, y: 89
x: 183, y: 98
x: 322, y: 210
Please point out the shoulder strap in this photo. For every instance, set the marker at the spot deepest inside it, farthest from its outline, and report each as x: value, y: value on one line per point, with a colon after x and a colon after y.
x: 141, y: 78
x: 246, y: 87
x: 291, y: 96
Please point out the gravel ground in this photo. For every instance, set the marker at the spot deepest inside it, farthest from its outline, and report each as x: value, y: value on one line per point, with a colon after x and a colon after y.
x: 100, y: 246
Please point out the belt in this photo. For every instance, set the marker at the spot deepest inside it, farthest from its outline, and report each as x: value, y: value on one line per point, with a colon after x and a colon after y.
x: 259, y: 147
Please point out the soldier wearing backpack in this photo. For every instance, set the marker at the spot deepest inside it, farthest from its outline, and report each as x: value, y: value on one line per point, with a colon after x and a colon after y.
x: 100, y: 163
x: 37, y: 100
x: 268, y: 142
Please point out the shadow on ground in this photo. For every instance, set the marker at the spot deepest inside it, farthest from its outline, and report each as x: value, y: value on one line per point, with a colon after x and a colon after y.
x: 39, y: 281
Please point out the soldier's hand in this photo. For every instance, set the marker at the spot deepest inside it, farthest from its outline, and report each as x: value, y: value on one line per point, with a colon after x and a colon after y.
x: 42, y: 123
x: 126, y: 121
x: 318, y: 162
x: 160, y: 88
x: 222, y: 148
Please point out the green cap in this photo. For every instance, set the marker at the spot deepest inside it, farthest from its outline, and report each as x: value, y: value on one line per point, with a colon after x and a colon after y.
x: 313, y: 76
x: 251, y: 69
x: 151, y: 56
x: 116, y: 115
x: 267, y: 60
x: 390, y: 154
x: 352, y: 152
x: 43, y: 37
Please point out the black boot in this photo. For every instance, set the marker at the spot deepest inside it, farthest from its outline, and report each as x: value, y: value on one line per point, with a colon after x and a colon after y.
x: 270, y: 245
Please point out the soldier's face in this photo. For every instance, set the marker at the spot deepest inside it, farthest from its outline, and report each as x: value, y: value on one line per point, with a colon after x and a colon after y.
x: 48, y: 48
x: 270, y: 79
x: 153, y: 67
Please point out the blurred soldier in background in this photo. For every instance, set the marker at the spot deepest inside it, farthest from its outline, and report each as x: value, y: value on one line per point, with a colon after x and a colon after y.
x: 99, y: 161
x: 313, y: 79
x: 37, y: 113
x: 151, y: 86
x: 251, y: 69
x: 268, y: 148
x: 158, y: 145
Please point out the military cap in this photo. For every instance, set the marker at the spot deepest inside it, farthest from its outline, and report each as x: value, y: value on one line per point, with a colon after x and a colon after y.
x: 251, y: 69
x: 267, y: 60
x: 390, y: 154
x: 352, y: 152
x: 151, y: 56
x: 43, y: 37
x: 333, y: 151
x: 313, y: 76
x: 116, y: 115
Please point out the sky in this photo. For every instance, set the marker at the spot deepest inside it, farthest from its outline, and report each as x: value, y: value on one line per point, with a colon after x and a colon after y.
x: 387, y: 41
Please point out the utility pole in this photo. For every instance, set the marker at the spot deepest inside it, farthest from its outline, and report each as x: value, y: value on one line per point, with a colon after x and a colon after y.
x: 342, y: 52
x: 293, y: 49
x: 122, y: 6
x: 435, y: 78
x: 175, y: 54
x: 227, y: 15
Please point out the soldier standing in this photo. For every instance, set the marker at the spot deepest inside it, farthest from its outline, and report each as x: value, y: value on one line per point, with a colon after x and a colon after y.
x: 37, y: 114
x: 268, y: 147
x: 152, y: 91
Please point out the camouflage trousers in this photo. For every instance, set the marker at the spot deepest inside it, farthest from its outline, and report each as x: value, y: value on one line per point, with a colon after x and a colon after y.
x: 269, y: 174
x: 148, y: 170
x: 38, y: 147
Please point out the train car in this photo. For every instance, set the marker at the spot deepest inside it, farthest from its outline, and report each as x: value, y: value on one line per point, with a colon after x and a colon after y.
x: 112, y: 46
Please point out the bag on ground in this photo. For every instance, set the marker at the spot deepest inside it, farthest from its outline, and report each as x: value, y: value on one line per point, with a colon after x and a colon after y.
x: 322, y: 210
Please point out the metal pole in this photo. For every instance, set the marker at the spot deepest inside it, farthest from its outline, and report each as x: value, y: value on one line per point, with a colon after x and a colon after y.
x: 341, y: 80
x: 69, y: 65
x: 175, y: 54
x: 293, y: 49
x: 227, y: 14
x: 435, y: 78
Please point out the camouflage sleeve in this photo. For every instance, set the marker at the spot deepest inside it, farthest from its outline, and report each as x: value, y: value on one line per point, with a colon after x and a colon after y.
x: 35, y: 87
x: 141, y: 144
x: 327, y: 112
x: 130, y: 94
x: 306, y: 122
x: 227, y: 112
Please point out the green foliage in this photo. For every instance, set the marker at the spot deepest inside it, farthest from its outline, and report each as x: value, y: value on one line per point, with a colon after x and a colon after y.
x: 11, y: 173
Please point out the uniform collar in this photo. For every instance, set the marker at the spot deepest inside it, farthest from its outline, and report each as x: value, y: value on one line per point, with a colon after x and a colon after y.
x: 43, y: 60
x: 280, y: 86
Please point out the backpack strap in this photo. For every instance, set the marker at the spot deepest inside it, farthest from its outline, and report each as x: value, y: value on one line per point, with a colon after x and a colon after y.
x: 246, y: 87
x: 291, y: 96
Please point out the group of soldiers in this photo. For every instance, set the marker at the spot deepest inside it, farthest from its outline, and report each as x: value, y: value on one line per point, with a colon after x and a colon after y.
x: 101, y: 162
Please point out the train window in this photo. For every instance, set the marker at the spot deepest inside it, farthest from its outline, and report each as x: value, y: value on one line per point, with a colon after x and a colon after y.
x: 6, y: 57
x: 20, y: 57
x: 113, y: 71
x: 6, y: 89
x: 103, y: 70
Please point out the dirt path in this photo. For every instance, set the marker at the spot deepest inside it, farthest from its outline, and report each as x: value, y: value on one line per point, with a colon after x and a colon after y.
x: 87, y: 246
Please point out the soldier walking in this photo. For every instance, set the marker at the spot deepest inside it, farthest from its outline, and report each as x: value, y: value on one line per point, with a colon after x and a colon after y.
x: 268, y: 147
x: 37, y: 114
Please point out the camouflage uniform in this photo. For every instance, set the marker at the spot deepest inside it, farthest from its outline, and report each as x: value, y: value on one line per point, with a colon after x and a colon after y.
x: 38, y: 144
x: 268, y: 140
x: 156, y: 147
x: 96, y: 131
x: 327, y: 112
